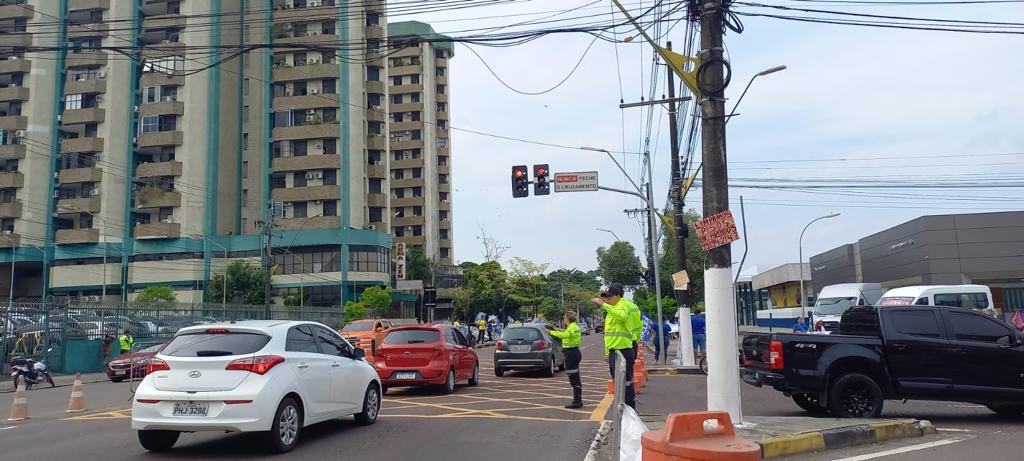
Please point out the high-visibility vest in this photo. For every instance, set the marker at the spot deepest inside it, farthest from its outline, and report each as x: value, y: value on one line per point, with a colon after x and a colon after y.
x: 617, y: 334
x: 571, y: 337
x: 126, y: 342
x: 633, y: 320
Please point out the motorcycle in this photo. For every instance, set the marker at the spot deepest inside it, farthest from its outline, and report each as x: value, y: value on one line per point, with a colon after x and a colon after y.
x: 30, y: 370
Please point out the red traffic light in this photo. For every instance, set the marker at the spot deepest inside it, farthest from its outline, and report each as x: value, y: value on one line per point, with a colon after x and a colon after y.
x: 541, y: 171
x: 519, y: 173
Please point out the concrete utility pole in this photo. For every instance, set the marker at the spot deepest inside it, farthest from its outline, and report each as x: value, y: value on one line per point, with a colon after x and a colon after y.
x: 268, y: 233
x: 678, y: 220
x: 724, y: 377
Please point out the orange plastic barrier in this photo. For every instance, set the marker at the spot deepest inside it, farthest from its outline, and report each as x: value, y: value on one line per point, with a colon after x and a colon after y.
x: 685, y: 438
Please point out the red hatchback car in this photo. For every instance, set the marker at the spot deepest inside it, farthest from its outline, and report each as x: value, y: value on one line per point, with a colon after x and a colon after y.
x: 418, y: 355
x: 132, y: 366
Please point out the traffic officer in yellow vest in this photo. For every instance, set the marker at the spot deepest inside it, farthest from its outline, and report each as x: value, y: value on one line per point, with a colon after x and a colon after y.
x: 571, y: 338
x: 619, y: 334
x: 127, y: 341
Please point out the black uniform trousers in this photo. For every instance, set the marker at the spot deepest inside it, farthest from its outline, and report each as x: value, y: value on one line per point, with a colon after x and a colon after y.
x: 630, y: 356
x: 573, y: 357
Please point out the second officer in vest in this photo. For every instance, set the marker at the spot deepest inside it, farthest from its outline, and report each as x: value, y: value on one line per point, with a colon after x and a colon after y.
x: 620, y: 334
x: 571, y: 338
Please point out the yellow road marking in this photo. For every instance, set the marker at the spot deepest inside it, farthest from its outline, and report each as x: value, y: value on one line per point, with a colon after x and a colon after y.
x: 602, y: 408
x: 460, y: 415
x: 116, y: 414
x: 534, y: 406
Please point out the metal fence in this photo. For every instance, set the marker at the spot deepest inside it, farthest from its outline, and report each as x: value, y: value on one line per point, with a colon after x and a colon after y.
x: 82, y: 336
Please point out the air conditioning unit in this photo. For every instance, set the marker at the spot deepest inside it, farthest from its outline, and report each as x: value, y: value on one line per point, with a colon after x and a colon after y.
x: 314, y: 175
x: 99, y: 98
x: 314, y: 91
x: 101, y: 74
x: 317, y: 202
x: 59, y: 117
x: 286, y: 26
x: 371, y: 227
x: 168, y: 98
x: 314, y: 4
x: 378, y: 163
x: 94, y: 192
x: 310, y: 118
x: 20, y: 133
x: 165, y: 41
x: 13, y: 58
x: 8, y: 231
x: 166, y: 220
x: 93, y: 299
x: 288, y: 92
x: 310, y: 111
x: 313, y: 61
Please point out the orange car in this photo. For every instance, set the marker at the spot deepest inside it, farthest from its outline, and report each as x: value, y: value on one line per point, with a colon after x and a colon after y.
x: 366, y: 334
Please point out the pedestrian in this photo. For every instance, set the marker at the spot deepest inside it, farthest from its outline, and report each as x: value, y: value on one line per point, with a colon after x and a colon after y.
x: 800, y: 326
x: 126, y: 341
x: 490, y: 330
x: 108, y: 344
x: 571, y: 338
x: 481, y: 326
x: 699, y: 329
x: 666, y: 330
x: 618, y: 336
x: 457, y: 324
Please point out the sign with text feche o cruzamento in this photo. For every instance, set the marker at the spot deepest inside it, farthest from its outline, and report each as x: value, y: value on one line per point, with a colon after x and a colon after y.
x: 579, y: 181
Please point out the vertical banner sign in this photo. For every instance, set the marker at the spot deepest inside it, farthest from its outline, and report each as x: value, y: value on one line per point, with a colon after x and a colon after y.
x: 718, y: 230
x: 400, y: 261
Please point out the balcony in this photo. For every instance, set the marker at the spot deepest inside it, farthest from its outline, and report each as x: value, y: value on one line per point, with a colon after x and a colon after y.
x: 77, y: 145
x: 412, y: 239
x: 158, y: 169
x: 161, y: 79
x: 10, y: 209
x: 376, y: 200
x: 16, y: 39
x: 414, y: 69
x: 309, y: 39
x: 409, y: 88
x: 17, y: 11
x: 407, y: 163
x: 314, y: 222
x: 302, y: 194
x: 441, y: 80
x: 158, y: 231
x: 303, y: 14
x: 442, y: 115
x: 20, y: 65
x: 374, y: 87
x: 88, y: 30
x: 407, y: 221
x: 161, y: 138
x: 87, y: 5
x: 162, y: 108
x: 444, y: 187
x: 162, y: 49
x: 73, y: 236
x: 286, y: 73
x: 376, y: 58
x: 444, y: 243
x: 12, y: 151
x: 407, y: 182
x: 163, y: 21
x: 444, y: 205
x: 79, y: 205
x: 152, y: 197
x: 11, y: 179
x: 16, y: 93
x: 406, y: 107
x: 86, y: 59
x: 441, y: 97
x: 374, y: 32
x: 410, y: 144
x: 377, y: 171
x: 79, y: 116
x: 313, y: 131
x: 444, y: 169
x: 309, y: 101
x: 376, y: 142
x: 440, y: 62
x: 407, y: 201
x: 80, y: 175
x: 96, y: 85
x: 13, y: 122
x: 376, y: 115
x: 375, y: 5
x: 403, y: 126
x: 10, y: 241
x: 306, y: 162
x: 445, y: 224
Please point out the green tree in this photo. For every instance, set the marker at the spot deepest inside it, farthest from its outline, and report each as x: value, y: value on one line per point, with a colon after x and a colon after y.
x: 462, y: 301
x: 294, y: 300
x: 354, y: 310
x: 527, y: 283
x: 489, y: 287
x: 619, y: 263
x: 419, y: 266
x: 157, y: 294
x: 245, y: 284
x: 590, y: 280
x: 694, y: 260
x: 377, y: 300
x: 647, y: 303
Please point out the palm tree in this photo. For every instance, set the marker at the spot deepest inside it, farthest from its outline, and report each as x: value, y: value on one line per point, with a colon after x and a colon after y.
x: 419, y: 266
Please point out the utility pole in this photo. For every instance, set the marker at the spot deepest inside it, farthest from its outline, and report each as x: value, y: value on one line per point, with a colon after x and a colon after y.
x: 723, y: 381
x: 678, y: 220
x: 267, y: 231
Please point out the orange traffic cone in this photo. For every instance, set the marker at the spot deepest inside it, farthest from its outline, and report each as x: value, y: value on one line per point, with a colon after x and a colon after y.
x: 77, y: 402
x: 19, y: 409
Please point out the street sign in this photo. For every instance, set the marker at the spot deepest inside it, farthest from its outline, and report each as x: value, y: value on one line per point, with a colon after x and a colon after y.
x: 718, y: 230
x: 579, y: 181
x: 680, y: 280
x: 400, y: 261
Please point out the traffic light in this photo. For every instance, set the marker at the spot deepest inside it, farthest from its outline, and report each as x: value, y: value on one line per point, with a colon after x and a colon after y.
x: 541, y: 186
x: 520, y: 181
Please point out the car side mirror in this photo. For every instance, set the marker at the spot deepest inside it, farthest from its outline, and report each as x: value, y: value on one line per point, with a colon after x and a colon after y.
x: 358, y: 353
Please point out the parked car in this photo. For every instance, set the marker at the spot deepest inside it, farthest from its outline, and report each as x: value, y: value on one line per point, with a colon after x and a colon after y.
x: 893, y: 353
x: 367, y: 334
x: 973, y: 296
x: 834, y: 300
x: 585, y: 329
x: 599, y: 327
x: 270, y: 376
x: 528, y: 346
x: 420, y: 355
x: 133, y: 365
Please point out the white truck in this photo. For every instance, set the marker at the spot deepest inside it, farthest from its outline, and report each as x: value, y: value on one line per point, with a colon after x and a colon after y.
x: 834, y: 300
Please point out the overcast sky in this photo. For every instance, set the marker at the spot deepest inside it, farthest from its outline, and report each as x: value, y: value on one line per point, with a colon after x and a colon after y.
x: 849, y: 92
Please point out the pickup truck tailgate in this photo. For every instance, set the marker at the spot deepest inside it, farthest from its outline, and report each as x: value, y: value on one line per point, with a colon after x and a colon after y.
x: 754, y: 349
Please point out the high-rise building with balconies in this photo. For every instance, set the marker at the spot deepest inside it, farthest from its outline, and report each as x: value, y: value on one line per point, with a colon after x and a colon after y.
x: 143, y: 141
x: 421, y: 194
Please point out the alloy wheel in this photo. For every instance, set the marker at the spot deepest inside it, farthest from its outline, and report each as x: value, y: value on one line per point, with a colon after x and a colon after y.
x: 288, y: 425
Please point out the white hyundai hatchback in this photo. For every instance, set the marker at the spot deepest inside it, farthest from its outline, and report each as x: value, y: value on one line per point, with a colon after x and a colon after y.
x: 267, y: 376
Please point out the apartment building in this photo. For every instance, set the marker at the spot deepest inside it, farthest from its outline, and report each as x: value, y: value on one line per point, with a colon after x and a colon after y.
x: 123, y: 166
x: 421, y: 196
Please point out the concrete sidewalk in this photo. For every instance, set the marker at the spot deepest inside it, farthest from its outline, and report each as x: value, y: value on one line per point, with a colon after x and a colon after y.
x: 7, y: 385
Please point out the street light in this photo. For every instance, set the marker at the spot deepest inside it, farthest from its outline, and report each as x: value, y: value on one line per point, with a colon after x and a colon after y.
x: 770, y: 70
x: 617, y: 239
x: 803, y: 297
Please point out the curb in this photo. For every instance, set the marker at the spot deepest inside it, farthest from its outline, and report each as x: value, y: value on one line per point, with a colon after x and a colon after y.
x: 674, y: 371
x: 600, y: 439
x: 841, y: 437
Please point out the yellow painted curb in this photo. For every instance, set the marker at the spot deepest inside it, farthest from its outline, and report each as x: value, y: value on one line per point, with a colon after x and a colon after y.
x: 895, y: 430
x: 792, y: 444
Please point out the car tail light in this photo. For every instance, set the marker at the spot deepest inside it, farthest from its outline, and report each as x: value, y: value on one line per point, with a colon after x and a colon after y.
x: 147, y: 401
x: 497, y: 347
x: 217, y: 331
x: 236, y: 402
x: 437, y: 352
x: 775, y: 359
x: 260, y: 364
x: 156, y: 365
x: 543, y: 345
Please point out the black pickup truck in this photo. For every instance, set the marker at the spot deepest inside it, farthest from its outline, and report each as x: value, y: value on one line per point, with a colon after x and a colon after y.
x: 893, y: 353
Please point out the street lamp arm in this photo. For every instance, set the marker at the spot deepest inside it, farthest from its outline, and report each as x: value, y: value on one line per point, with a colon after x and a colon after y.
x: 623, y: 170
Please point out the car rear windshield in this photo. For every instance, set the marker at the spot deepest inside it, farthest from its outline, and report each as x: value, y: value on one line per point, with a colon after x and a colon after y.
x: 526, y: 334
x: 365, y: 325
x: 412, y: 337
x: 860, y: 321
x: 202, y: 344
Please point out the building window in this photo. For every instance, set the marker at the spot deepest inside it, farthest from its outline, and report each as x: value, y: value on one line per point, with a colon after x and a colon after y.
x: 330, y: 177
x: 395, y: 81
x: 330, y: 147
x: 444, y: 234
x: 375, y: 185
x: 398, y: 231
x: 445, y: 253
x: 396, y: 99
x: 72, y: 101
x: 376, y: 214
x: 414, y: 79
x: 442, y: 215
x: 417, y: 191
x: 442, y: 124
x: 442, y: 142
x: 245, y: 169
x: 330, y: 208
x: 398, y: 174
x: 440, y: 89
x: 373, y: 74
x: 373, y: 101
x: 415, y: 97
x: 417, y: 172
x: 439, y: 71
x: 299, y: 209
x: 442, y: 160
x: 442, y: 107
x: 151, y: 124
x: 400, y: 212
x: 245, y: 83
x: 329, y: 85
x: 417, y: 231
x: 245, y: 197
x: 245, y: 141
x: 417, y: 211
x: 245, y: 113
x: 399, y: 193
x: 365, y: 258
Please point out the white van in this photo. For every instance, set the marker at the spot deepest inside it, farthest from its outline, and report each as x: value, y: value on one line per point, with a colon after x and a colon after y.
x: 972, y: 296
x: 834, y: 300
